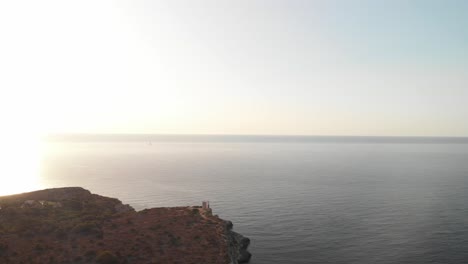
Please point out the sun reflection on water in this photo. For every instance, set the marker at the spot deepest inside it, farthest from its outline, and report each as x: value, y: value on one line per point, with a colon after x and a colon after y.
x: 20, y: 161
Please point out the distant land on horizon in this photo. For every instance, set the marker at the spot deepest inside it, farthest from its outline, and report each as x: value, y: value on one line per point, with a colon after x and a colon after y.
x: 85, y: 137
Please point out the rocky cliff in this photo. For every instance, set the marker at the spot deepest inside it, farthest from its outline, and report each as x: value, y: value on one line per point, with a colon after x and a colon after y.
x: 238, y: 245
x: 72, y: 225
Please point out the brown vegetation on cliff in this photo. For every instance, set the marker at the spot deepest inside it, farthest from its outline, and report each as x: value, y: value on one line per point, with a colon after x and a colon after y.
x: 71, y: 225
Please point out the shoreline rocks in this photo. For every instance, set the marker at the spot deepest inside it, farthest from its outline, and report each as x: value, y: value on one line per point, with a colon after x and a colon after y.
x: 238, y: 246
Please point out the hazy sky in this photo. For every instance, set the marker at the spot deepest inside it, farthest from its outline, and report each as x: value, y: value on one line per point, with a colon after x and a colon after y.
x: 326, y: 67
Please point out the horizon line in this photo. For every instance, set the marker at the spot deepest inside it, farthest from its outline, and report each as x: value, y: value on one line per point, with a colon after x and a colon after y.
x: 246, y: 135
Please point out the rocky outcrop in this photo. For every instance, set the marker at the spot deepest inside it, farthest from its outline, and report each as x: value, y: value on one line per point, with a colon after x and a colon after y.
x: 72, y: 225
x: 238, y: 245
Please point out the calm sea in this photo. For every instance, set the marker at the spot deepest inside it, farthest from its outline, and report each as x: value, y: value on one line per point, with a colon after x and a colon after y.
x: 299, y: 199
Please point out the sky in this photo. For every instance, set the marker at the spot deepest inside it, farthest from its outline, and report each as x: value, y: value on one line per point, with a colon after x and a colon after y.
x: 369, y: 67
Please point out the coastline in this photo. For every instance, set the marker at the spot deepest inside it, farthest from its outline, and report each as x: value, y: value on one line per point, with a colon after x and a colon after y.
x: 72, y: 225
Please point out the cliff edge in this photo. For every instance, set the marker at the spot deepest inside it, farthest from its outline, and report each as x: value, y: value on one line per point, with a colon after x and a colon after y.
x: 72, y: 225
x: 238, y: 245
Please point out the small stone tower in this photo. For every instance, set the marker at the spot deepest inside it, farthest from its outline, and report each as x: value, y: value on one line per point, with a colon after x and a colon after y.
x: 206, y: 205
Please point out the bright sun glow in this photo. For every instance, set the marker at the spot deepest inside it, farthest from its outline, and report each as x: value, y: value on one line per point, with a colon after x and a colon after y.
x: 19, y: 172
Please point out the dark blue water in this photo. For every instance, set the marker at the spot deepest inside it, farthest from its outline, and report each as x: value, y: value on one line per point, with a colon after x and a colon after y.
x: 300, y: 200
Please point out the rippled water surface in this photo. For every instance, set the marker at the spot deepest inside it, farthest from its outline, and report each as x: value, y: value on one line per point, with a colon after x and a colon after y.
x: 300, y: 201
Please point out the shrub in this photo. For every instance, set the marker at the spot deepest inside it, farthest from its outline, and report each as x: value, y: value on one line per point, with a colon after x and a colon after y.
x: 90, y: 253
x: 175, y: 240
x: 73, y: 204
x: 155, y: 227
x: 60, y: 233
x: 86, y: 228
x: 39, y: 246
x: 107, y: 257
x: 3, y: 247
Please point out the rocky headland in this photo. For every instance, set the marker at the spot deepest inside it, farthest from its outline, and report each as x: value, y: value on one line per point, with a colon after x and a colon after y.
x: 72, y: 225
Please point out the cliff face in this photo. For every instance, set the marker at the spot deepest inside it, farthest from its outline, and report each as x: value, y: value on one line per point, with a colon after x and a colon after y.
x: 238, y: 245
x: 71, y: 225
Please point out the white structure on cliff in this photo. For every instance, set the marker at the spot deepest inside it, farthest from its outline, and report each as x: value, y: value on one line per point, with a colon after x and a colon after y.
x: 206, y: 205
x: 40, y: 204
